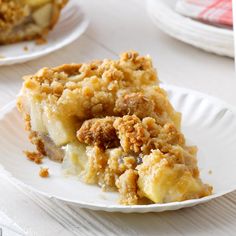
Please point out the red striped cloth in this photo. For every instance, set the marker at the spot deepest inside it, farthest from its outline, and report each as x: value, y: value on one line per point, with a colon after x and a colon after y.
x: 217, y: 12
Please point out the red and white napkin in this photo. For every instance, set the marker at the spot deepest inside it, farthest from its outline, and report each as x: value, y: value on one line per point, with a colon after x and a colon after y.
x: 216, y: 12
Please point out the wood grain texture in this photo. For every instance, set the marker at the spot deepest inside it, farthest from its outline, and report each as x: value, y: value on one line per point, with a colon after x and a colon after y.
x: 117, y: 26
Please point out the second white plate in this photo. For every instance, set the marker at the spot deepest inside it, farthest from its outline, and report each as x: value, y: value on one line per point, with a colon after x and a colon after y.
x: 207, y: 122
x: 207, y: 37
x: 72, y: 24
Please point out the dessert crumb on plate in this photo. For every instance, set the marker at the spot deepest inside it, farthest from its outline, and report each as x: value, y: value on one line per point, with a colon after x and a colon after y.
x: 34, y: 156
x: 44, y: 173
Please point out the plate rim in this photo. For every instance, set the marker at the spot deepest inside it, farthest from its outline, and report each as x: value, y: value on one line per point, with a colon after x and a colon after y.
x: 34, y: 55
x: 123, y: 208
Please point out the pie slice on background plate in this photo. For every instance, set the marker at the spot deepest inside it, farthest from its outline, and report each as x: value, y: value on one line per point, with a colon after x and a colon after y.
x: 22, y: 20
x: 110, y: 123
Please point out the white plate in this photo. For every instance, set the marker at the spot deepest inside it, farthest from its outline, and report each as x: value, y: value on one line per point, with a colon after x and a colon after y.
x: 207, y: 37
x: 207, y: 122
x: 71, y: 25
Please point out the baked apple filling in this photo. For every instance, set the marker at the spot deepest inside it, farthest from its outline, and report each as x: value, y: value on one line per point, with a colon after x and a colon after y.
x: 27, y: 19
x: 111, y: 124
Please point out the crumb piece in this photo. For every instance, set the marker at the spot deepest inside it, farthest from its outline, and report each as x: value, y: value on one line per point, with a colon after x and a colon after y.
x: 44, y: 173
x: 36, y: 140
x: 34, y: 156
x: 25, y: 48
x: 131, y: 133
x: 38, y: 160
x: 144, y: 135
x: 127, y: 186
x: 99, y: 132
x: 40, y: 41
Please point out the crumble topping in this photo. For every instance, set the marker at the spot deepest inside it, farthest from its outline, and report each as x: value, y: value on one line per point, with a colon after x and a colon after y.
x: 92, y: 90
x: 98, y: 132
x: 141, y: 136
x: 110, y: 123
x: 131, y: 133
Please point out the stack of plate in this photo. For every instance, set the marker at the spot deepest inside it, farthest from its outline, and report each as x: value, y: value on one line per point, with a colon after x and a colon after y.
x: 207, y: 37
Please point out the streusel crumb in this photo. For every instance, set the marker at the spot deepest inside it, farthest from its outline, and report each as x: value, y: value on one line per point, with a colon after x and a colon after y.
x: 98, y: 132
x: 131, y: 133
x: 34, y: 156
x: 44, y: 173
x: 144, y: 135
x: 37, y: 141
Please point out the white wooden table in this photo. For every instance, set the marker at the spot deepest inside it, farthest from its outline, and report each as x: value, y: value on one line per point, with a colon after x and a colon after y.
x: 117, y: 26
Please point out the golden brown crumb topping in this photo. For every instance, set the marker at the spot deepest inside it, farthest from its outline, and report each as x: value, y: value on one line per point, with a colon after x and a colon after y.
x: 99, y: 132
x: 131, y: 133
x: 140, y: 136
x: 91, y: 90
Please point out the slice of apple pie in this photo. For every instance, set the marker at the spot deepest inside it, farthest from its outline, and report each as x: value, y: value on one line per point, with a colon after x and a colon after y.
x: 110, y: 123
x: 27, y: 19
